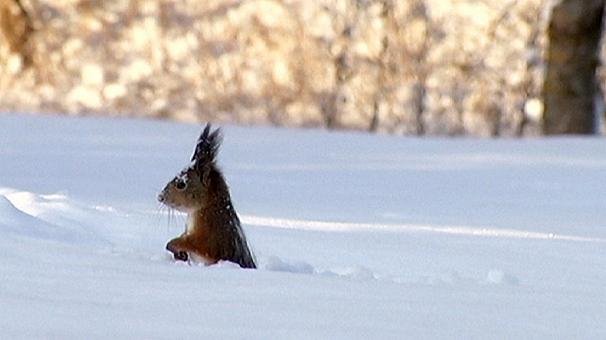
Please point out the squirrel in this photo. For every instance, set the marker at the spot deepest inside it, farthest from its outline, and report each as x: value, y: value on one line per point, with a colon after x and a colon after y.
x: 213, y: 232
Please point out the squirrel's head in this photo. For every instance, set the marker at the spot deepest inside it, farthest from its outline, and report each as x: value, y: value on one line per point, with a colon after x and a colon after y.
x: 188, y: 191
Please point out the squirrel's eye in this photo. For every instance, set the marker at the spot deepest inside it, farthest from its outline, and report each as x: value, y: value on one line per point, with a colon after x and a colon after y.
x: 180, y: 185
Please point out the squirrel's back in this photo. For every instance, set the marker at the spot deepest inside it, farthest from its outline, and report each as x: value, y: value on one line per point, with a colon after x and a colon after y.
x: 216, y: 227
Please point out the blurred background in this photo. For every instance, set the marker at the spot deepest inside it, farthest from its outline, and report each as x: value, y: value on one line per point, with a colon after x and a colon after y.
x: 409, y: 67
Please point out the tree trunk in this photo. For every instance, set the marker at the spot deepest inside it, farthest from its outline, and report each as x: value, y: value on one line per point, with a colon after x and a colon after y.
x: 383, y: 65
x: 419, y: 104
x: 570, y: 87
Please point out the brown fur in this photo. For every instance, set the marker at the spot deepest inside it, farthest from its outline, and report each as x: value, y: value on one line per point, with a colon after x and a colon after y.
x: 215, y: 232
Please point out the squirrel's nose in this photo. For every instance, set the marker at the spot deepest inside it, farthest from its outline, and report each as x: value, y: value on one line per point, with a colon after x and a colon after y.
x: 161, y: 197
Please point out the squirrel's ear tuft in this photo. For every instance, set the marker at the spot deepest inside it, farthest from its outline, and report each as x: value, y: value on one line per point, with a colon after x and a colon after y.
x: 207, y: 147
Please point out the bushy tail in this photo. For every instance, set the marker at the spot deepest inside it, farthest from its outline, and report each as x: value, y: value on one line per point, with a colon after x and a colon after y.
x: 247, y: 258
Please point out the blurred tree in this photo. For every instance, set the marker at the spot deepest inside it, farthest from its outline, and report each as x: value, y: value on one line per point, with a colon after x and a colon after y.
x: 530, y: 85
x: 17, y: 27
x: 570, y: 88
x: 416, y: 56
x: 342, y: 61
x: 383, y: 63
x: 411, y: 34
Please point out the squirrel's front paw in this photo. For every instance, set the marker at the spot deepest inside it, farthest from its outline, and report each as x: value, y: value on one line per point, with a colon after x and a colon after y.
x: 180, y: 256
x: 178, y: 253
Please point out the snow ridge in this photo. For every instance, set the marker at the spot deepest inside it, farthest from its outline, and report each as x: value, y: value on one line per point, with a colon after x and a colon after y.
x: 408, y: 228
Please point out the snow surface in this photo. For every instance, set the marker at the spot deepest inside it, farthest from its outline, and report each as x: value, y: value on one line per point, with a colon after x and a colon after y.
x: 357, y: 236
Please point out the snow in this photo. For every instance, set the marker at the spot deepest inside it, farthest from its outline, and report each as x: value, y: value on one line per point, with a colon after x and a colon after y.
x: 357, y: 236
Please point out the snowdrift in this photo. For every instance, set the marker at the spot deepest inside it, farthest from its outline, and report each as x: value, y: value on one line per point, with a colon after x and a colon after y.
x: 357, y: 236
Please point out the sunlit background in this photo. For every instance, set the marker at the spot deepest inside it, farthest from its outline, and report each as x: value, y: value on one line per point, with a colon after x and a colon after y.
x: 437, y: 67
